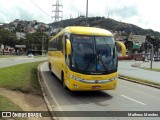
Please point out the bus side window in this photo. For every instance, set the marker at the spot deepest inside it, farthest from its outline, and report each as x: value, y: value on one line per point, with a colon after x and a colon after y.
x: 60, y: 43
x: 52, y: 45
x: 63, y: 45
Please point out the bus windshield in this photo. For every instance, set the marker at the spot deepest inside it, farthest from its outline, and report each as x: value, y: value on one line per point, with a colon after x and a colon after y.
x: 93, y: 54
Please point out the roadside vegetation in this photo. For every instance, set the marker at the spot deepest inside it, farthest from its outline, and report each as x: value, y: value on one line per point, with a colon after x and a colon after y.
x: 8, y: 105
x: 11, y: 56
x: 153, y: 69
x: 21, y: 77
x: 38, y: 56
x: 6, y: 56
x: 140, y: 80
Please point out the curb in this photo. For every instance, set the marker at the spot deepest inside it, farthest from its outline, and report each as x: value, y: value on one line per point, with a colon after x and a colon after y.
x: 40, y: 77
x: 139, y: 82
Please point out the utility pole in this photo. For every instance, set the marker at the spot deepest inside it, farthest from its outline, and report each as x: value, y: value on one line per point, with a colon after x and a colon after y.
x: 87, y: 9
x: 2, y: 47
x: 151, y: 53
x: 43, y: 39
x: 42, y: 43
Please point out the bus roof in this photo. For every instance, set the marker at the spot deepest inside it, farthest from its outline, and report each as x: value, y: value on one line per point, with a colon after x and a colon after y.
x: 81, y: 30
x: 87, y: 31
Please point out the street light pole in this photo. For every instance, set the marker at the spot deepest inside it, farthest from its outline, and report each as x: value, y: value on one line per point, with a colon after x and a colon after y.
x: 151, y: 54
x: 87, y: 9
x: 2, y: 47
x: 43, y: 38
x: 42, y: 44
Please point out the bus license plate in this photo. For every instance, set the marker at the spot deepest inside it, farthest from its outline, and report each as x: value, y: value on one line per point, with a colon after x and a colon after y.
x: 95, y: 87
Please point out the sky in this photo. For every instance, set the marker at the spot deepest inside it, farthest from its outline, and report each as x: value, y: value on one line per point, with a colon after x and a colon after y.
x: 143, y: 13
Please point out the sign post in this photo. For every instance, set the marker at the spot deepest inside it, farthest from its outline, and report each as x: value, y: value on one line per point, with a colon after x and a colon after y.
x: 151, y: 53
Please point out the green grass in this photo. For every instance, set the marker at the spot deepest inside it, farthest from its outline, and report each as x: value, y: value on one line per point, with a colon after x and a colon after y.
x: 140, y: 80
x: 8, y: 105
x: 7, y: 56
x: 153, y: 69
x: 21, y: 77
x: 38, y: 56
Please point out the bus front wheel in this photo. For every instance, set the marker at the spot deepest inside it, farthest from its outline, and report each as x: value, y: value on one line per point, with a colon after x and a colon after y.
x: 50, y: 69
x: 63, y: 82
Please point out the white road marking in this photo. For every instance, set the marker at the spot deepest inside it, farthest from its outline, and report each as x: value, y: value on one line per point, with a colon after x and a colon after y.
x: 133, y: 100
x: 50, y: 92
x: 55, y: 104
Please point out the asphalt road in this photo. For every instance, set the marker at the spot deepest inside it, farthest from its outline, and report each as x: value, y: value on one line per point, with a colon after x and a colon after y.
x: 125, y: 68
x: 127, y: 97
x: 5, y: 62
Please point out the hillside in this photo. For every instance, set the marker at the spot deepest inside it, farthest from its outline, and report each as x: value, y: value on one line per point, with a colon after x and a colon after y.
x: 106, y: 23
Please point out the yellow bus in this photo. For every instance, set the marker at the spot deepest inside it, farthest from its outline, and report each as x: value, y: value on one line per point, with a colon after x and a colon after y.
x: 84, y: 58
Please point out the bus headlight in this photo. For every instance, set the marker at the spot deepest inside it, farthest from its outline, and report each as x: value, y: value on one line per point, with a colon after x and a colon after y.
x: 114, y: 78
x: 75, y: 78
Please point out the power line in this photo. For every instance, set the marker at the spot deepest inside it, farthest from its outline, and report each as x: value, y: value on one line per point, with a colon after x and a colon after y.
x: 40, y: 8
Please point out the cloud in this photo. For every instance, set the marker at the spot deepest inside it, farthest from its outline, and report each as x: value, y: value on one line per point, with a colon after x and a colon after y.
x: 15, y: 13
x: 23, y: 10
x: 124, y: 12
x: 138, y: 12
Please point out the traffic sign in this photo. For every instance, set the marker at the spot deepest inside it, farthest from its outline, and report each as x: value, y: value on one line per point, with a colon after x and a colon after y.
x: 137, y: 38
x: 20, y: 46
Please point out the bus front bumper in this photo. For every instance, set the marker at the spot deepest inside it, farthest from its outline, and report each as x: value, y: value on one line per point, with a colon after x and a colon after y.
x: 92, y: 85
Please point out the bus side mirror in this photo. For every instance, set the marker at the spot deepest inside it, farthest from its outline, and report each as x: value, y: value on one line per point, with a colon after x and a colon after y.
x: 123, y: 47
x: 68, y: 47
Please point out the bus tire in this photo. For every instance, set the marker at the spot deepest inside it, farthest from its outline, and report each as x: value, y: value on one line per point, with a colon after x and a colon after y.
x: 63, y: 82
x: 50, y: 69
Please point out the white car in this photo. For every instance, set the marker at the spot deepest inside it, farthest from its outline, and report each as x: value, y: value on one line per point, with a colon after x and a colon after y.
x: 30, y: 55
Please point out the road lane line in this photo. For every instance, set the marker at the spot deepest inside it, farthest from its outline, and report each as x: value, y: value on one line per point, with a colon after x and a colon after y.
x: 133, y: 100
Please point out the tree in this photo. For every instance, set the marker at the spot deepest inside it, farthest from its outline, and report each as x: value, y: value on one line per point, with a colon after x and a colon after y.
x: 157, y: 43
x: 155, y: 40
x: 35, y: 41
x: 7, y: 38
x: 129, y: 45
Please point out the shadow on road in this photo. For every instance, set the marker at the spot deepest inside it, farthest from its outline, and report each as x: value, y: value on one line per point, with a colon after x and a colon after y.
x: 75, y: 97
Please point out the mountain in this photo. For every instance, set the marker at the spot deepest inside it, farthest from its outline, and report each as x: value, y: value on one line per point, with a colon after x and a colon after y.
x: 106, y: 23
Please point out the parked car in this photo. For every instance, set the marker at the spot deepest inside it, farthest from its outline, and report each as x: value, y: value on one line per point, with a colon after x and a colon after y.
x: 156, y: 58
x: 30, y: 55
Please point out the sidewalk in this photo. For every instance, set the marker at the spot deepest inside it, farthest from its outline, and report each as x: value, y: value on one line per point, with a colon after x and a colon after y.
x: 125, y: 68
